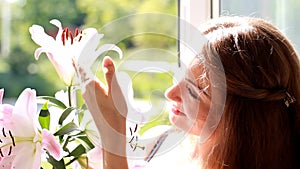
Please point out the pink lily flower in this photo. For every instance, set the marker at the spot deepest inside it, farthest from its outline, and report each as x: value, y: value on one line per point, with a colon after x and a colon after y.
x: 95, y: 158
x: 22, y: 143
x: 68, y: 47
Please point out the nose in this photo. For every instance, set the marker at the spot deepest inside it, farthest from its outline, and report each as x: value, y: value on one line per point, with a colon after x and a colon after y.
x: 173, y: 93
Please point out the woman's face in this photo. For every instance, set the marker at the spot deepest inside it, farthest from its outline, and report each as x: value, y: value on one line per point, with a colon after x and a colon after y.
x: 191, y: 100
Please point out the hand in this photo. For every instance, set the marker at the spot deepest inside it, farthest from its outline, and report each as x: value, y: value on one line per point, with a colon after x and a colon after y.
x: 108, y: 108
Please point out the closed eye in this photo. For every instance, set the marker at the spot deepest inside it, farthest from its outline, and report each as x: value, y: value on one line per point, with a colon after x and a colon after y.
x: 193, y: 94
x: 201, y: 90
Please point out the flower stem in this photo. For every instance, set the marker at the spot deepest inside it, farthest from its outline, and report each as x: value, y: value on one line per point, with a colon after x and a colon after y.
x: 71, y: 161
x: 65, y: 144
x: 69, y: 95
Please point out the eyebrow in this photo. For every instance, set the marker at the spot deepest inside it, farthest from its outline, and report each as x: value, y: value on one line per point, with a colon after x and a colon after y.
x: 190, y: 81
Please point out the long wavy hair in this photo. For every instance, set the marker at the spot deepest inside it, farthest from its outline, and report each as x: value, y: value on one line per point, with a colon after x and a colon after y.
x: 257, y: 129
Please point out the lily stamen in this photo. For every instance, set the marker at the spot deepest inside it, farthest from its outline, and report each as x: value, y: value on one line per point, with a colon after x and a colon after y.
x: 12, y: 138
x: 11, y: 144
x: 66, y: 34
x: 80, y: 37
x: 76, y: 32
x: 1, y: 153
x: 71, y: 37
x: 63, y: 37
x: 3, y: 132
x: 10, y: 150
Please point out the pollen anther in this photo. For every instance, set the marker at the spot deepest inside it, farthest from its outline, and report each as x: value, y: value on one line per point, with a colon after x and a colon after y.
x: 12, y: 138
x: 66, y: 34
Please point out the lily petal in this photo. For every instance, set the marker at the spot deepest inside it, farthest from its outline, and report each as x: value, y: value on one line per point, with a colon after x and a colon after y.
x: 27, y: 155
x: 90, y: 39
x: 95, y: 158
x: 24, y: 114
x: 88, y: 46
x: 89, y: 54
x: 63, y: 67
x: 6, y: 162
x: 109, y: 47
x: 39, y: 36
x: 38, y: 156
x: 58, y: 24
x: 26, y: 103
x: 38, y: 52
x: 5, y: 114
x: 51, y: 145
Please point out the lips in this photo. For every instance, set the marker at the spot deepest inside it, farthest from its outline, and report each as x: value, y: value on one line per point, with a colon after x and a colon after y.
x: 177, y: 111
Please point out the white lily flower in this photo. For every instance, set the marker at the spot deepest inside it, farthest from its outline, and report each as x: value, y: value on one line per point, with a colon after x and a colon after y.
x: 68, y: 47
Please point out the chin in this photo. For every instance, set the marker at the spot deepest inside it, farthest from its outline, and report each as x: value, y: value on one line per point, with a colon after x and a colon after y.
x: 187, y: 125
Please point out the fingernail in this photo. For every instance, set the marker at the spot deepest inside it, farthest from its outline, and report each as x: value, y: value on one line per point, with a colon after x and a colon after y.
x: 105, y: 70
x: 108, y: 63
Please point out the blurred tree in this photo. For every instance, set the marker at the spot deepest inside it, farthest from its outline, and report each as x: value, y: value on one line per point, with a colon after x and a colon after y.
x: 121, y: 23
x: 23, y: 69
x: 165, y: 26
x: 103, y: 13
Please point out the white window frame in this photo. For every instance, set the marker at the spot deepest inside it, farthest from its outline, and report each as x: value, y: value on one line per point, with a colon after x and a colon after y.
x: 193, y: 12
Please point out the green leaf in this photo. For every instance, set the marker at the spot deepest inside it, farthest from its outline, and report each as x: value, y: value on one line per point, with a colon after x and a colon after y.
x: 77, y: 152
x: 53, y: 101
x: 44, y: 116
x: 85, y: 142
x: 162, y: 119
x: 80, y: 115
x: 65, y: 114
x: 67, y: 129
x: 79, y: 98
x: 56, y: 164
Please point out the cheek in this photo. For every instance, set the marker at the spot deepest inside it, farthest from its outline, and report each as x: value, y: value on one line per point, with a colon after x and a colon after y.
x: 196, y: 109
x: 203, y: 110
x: 182, y: 122
x: 192, y: 126
x: 190, y: 105
x: 197, y: 112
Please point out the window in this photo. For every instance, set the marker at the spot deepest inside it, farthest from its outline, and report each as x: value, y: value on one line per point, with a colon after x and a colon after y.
x: 282, y: 13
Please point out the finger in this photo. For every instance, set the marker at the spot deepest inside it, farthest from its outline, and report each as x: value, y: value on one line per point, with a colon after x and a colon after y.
x: 110, y: 75
x: 114, y: 90
x: 109, y: 70
x: 95, y: 94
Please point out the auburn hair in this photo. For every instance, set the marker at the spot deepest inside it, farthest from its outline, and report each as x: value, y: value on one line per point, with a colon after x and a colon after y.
x: 257, y: 130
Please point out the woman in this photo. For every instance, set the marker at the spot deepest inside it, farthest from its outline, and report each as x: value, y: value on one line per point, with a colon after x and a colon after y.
x: 259, y: 126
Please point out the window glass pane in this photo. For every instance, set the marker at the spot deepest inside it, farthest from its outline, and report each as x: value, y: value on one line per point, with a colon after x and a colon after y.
x: 19, y: 69
x: 282, y: 13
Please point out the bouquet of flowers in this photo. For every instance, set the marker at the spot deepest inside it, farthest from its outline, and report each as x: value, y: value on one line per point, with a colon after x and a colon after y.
x: 55, y: 132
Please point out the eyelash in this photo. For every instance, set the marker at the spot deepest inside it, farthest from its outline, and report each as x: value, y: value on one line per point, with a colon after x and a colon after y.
x: 195, y: 96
